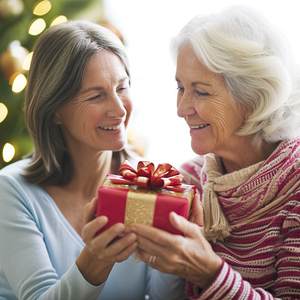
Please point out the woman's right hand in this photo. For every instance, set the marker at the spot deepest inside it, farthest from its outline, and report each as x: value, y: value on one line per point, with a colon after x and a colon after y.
x: 99, y: 255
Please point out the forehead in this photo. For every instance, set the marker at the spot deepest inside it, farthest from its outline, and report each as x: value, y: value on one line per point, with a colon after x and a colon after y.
x: 189, y: 68
x: 104, y: 63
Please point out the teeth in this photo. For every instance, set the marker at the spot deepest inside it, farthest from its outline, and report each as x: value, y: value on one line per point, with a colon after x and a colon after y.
x: 111, y: 128
x: 199, y: 126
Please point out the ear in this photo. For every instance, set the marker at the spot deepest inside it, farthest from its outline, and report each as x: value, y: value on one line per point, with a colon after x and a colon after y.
x: 248, y: 112
x: 57, y: 120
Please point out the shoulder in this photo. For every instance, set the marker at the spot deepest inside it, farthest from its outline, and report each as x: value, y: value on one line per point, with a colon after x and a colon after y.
x: 14, y: 185
x: 15, y: 170
x: 193, y: 171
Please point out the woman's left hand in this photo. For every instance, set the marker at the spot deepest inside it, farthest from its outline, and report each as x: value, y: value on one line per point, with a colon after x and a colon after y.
x: 189, y: 256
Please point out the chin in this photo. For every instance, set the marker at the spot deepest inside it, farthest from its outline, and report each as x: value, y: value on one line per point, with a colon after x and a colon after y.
x: 119, y: 146
x: 199, y: 150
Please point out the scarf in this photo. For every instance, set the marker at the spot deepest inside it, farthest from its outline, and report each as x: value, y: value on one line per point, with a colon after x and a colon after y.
x: 238, y: 198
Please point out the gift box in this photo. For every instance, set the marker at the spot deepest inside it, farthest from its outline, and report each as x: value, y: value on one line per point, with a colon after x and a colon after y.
x: 146, y: 195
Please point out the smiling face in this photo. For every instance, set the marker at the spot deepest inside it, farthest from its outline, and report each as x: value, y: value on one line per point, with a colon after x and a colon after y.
x: 204, y: 101
x: 95, y: 118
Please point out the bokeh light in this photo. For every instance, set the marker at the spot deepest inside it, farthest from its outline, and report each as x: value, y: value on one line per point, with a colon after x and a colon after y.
x: 41, y: 8
x: 19, y: 83
x: 58, y: 20
x: 27, y: 61
x: 8, y: 152
x: 3, y: 112
x: 36, y: 26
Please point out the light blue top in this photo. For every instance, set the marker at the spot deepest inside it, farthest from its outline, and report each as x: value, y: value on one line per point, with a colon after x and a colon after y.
x: 38, y: 249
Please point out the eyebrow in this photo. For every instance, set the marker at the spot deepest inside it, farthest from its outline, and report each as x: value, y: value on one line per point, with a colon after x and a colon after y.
x: 99, y: 88
x: 195, y: 83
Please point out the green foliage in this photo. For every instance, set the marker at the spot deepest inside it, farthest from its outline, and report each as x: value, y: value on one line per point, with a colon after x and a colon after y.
x: 15, y: 27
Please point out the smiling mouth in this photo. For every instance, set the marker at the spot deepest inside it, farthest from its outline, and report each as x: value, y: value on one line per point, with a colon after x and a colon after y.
x: 199, y: 126
x: 112, y: 128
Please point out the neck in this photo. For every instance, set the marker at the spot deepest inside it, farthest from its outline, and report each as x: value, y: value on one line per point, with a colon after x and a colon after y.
x: 89, y: 172
x: 247, y: 154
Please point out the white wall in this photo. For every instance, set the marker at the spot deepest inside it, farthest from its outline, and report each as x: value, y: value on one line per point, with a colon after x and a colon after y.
x: 147, y: 27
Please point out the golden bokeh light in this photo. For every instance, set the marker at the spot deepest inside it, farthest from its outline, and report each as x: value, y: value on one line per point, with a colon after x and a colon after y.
x: 41, y: 8
x: 58, y: 20
x: 27, y: 61
x: 132, y: 134
x: 13, y: 77
x: 36, y: 26
x: 8, y: 152
x: 19, y: 83
x: 3, y: 112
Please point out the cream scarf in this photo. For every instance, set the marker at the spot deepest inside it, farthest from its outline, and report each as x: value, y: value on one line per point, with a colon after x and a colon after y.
x: 250, y: 193
x: 216, y: 225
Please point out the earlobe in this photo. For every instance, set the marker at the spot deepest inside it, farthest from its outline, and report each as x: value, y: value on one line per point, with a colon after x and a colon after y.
x: 57, y: 119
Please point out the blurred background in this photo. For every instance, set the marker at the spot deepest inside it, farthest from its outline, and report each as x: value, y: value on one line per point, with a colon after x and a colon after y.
x: 145, y: 27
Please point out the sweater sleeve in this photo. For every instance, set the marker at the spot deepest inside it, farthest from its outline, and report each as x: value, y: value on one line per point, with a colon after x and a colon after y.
x: 24, y: 257
x: 230, y: 285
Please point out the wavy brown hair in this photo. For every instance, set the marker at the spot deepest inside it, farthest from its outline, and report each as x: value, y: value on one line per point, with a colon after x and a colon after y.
x: 55, y: 77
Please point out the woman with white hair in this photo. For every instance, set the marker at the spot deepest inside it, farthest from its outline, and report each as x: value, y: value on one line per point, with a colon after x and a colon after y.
x: 239, y: 92
x: 77, y: 108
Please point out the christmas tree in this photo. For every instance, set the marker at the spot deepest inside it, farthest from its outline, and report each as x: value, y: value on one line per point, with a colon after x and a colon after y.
x: 21, y: 23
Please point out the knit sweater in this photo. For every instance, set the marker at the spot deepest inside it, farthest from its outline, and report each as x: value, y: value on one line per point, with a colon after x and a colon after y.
x: 261, y: 256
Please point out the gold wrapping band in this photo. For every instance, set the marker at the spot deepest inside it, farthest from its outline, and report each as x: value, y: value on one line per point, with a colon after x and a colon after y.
x: 139, y: 208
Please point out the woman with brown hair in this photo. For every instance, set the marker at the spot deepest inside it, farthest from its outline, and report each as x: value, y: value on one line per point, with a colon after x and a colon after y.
x: 77, y: 109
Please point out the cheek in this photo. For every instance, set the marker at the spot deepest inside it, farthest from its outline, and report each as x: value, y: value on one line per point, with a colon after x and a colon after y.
x: 127, y: 103
x: 223, y: 118
x: 85, y: 117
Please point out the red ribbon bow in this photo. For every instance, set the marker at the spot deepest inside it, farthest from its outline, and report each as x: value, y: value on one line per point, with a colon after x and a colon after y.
x: 165, y: 176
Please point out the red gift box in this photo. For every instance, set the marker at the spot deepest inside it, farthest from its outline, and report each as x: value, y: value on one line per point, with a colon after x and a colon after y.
x: 122, y: 200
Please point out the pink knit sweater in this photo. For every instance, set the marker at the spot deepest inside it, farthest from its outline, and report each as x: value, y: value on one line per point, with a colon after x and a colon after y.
x: 261, y: 258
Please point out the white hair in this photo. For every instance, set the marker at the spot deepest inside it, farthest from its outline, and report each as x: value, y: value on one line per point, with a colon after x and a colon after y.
x: 257, y: 65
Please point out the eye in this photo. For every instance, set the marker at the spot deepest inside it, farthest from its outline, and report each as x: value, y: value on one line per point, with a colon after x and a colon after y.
x: 122, y: 89
x: 202, y: 94
x: 96, y: 97
x: 180, y: 89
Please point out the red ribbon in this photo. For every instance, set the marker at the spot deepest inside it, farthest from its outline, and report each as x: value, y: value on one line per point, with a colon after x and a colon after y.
x: 165, y: 176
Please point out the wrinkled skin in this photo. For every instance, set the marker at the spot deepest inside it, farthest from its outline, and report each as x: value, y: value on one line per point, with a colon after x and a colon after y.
x: 189, y: 256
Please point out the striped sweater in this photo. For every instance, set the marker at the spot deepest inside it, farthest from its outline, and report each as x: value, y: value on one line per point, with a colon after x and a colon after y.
x: 261, y: 258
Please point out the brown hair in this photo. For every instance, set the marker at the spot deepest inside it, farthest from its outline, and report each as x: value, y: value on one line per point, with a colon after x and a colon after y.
x: 55, y: 77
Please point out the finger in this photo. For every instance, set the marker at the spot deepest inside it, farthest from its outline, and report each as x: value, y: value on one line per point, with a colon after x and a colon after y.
x: 121, y: 248
x: 90, y: 211
x: 145, y: 257
x: 142, y: 255
x: 126, y: 252
x: 90, y: 229
x: 149, y: 245
x: 160, y: 263
x: 187, y: 228
x: 197, y: 211
x: 106, y: 237
x: 154, y: 235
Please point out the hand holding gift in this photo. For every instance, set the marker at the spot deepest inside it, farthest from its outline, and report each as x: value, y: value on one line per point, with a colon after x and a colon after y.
x: 99, y: 250
x: 146, y: 195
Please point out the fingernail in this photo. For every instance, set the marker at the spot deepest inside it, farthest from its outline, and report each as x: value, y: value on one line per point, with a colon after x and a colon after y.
x: 131, y: 238
x: 118, y: 227
x: 174, y: 214
x: 102, y: 220
x: 133, y: 228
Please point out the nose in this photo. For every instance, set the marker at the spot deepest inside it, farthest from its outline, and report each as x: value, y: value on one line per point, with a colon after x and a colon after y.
x: 116, y: 107
x: 185, y: 105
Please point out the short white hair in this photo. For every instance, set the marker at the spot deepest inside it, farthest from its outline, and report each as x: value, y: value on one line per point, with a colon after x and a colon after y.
x: 257, y: 65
